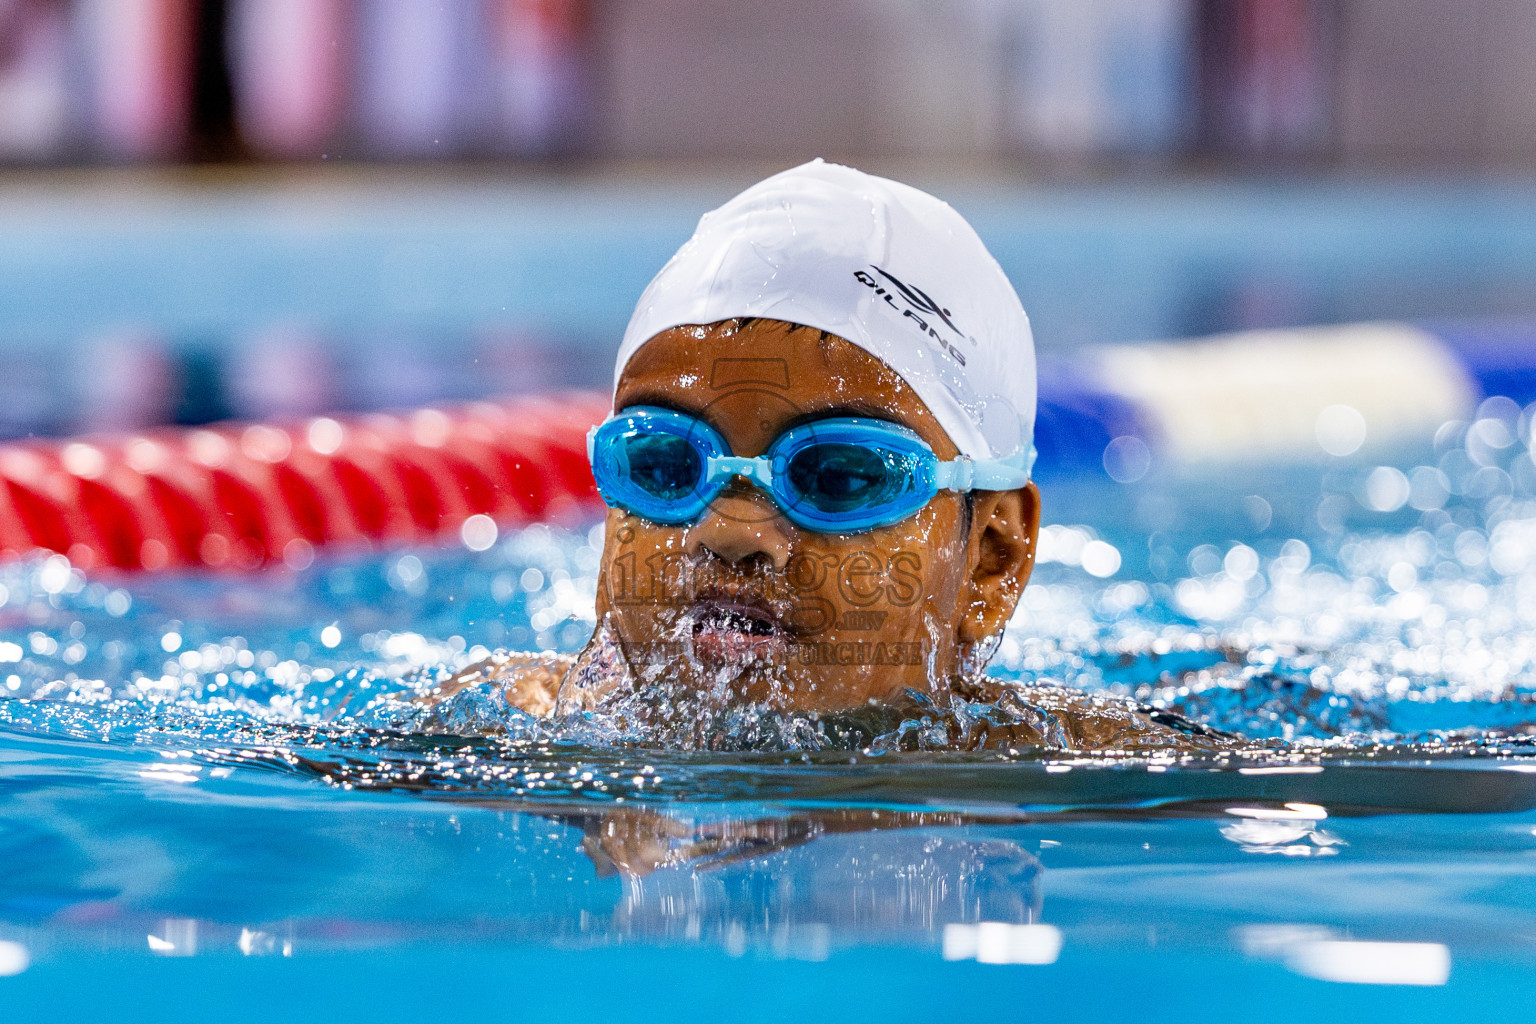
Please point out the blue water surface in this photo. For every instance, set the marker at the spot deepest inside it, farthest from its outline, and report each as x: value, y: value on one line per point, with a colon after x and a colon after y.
x: 203, y: 817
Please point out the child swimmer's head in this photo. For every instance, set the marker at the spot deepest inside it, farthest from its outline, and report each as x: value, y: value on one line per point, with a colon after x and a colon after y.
x: 821, y: 293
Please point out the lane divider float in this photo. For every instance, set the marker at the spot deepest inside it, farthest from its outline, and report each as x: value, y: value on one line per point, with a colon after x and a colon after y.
x: 244, y: 495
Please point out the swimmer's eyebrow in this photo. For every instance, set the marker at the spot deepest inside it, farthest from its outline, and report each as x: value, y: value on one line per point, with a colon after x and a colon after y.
x: 847, y: 407
x: 659, y: 400
x: 851, y: 407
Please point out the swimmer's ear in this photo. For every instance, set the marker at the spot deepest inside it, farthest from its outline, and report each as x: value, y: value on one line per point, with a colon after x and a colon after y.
x: 1001, y: 555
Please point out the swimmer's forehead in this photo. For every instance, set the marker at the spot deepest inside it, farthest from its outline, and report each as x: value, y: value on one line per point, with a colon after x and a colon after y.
x: 784, y: 373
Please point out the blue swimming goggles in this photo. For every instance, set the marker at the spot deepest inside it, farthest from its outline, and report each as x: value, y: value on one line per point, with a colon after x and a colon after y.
x: 843, y: 475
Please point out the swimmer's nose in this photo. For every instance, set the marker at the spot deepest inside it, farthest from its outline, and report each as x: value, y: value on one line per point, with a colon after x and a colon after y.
x: 739, y: 524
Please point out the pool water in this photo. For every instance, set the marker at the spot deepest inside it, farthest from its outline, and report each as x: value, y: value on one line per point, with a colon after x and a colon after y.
x: 216, y: 804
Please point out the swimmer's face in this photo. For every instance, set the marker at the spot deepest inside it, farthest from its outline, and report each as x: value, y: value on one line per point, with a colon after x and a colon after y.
x: 793, y: 619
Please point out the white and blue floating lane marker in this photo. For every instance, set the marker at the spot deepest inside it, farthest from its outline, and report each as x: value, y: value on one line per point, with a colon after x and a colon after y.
x: 1274, y: 396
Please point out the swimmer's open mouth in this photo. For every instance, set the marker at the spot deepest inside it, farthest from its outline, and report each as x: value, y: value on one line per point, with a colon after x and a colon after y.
x: 729, y: 632
x: 736, y: 618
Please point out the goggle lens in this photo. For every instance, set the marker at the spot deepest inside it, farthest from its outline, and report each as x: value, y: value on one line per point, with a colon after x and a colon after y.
x: 665, y: 466
x: 836, y: 478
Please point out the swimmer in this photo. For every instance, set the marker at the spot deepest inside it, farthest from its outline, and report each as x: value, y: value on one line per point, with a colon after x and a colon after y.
x: 821, y: 515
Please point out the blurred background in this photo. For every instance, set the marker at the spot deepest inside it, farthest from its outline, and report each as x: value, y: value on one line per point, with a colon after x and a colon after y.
x: 217, y: 208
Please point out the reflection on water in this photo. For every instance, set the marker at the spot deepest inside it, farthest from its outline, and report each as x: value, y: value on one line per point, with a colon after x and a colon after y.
x: 1323, y: 954
x: 795, y: 898
x: 127, y: 849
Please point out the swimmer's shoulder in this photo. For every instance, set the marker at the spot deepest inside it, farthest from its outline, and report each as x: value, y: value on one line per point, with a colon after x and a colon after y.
x: 529, y: 681
x: 1071, y: 719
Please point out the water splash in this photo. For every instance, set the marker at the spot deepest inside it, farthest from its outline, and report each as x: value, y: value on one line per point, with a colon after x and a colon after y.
x: 1344, y: 627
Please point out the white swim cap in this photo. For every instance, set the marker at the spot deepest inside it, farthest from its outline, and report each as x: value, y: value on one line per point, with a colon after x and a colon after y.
x: 891, y: 269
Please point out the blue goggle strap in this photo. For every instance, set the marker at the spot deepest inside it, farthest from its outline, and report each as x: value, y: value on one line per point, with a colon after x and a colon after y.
x: 968, y: 474
x: 758, y: 470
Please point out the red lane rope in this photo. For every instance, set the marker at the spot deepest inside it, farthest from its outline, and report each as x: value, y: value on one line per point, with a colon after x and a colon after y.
x: 241, y: 495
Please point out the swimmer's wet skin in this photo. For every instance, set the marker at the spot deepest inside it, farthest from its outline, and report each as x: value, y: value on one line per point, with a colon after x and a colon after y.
x: 872, y: 560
